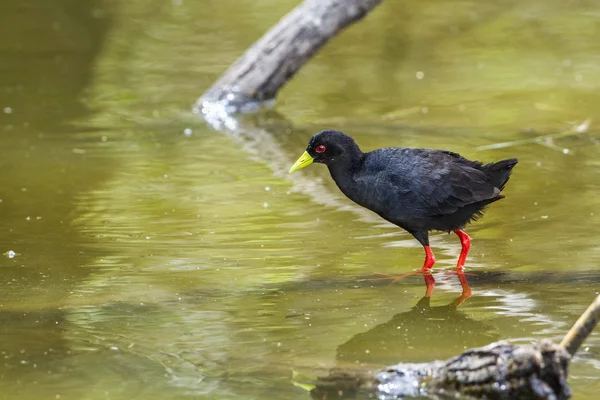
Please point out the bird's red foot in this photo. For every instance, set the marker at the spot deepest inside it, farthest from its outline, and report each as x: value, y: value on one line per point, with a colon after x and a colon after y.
x: 429, y: 260
x: 465, y: 242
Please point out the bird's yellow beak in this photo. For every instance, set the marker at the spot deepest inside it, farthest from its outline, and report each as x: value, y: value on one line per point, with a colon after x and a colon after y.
x: 304, y: 160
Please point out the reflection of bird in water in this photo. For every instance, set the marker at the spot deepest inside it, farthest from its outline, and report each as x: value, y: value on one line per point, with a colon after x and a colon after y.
x: 417, y: 189
x: 415, y: 335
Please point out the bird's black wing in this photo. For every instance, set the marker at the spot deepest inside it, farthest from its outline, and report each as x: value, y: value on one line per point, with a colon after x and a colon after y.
x: 427, y: 182
x: 445, y: 182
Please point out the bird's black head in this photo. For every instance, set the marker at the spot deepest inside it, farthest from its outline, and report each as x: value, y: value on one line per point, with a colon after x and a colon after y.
x: 328, y: 147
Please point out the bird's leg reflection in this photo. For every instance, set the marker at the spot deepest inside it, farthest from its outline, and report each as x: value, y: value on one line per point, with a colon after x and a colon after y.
x: 403, y: 335
x: 430, y: 283
x: 466, y: 289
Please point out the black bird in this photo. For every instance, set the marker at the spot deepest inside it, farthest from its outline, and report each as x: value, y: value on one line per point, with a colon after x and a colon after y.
x: 417, y: 189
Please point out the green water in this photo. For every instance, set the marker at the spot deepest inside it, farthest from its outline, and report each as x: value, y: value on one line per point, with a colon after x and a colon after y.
x: 154, y: 264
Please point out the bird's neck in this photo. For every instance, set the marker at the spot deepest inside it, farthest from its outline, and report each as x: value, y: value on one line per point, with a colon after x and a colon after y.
x: 344, y: 169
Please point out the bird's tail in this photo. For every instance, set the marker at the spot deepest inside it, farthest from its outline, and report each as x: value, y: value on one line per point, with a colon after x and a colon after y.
x: 499, y: 172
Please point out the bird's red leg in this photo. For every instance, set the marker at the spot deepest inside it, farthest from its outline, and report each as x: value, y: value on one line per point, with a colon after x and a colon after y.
x: 465, y: 241
x: 429, y: 259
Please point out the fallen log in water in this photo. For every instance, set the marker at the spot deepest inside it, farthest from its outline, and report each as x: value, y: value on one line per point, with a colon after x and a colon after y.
x: 264, y: 68
x: 497, y: 371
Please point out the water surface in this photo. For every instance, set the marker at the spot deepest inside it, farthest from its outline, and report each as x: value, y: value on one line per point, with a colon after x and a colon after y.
x: 159, y: 258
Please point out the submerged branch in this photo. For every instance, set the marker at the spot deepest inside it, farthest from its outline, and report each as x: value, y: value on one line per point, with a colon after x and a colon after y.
x: 544, y: 140
x: 582, y: 328
x: 264, y: 68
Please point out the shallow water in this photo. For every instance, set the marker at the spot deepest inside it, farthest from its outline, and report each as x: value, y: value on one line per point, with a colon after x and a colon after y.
x: 158, y: 258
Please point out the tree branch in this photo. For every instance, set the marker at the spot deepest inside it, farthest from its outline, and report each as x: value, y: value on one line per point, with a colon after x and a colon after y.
x: 264, y: 68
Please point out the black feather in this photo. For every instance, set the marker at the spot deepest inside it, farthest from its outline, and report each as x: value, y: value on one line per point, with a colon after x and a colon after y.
x: 417, y: 189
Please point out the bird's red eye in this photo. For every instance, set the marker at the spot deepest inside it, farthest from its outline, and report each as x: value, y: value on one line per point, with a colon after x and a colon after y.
x: 320, y: 149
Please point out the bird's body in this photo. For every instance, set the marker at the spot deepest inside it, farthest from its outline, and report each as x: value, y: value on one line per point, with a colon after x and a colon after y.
x: 421, y: 189
x: 416, y: 189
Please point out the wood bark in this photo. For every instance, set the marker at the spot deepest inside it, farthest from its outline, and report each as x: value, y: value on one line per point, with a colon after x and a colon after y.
x: 497, y: 371
x: 582, y: 328
x: 264, y: 68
